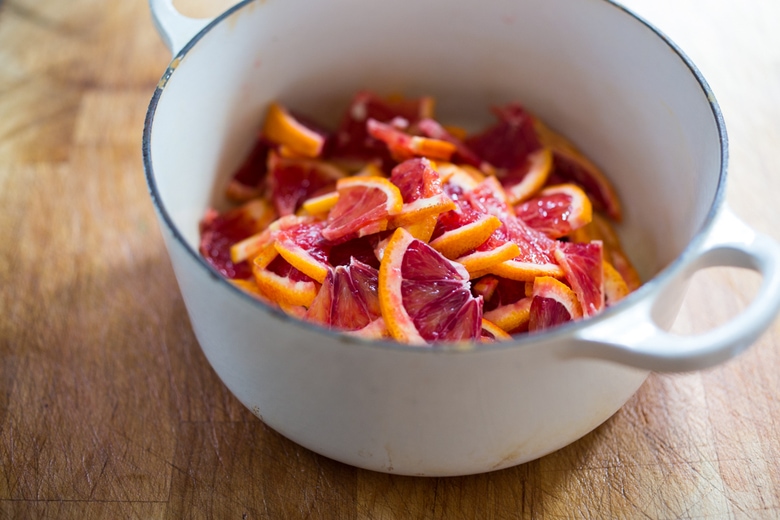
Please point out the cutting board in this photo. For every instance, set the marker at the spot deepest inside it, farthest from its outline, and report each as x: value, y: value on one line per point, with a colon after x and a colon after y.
x: 108, y: 408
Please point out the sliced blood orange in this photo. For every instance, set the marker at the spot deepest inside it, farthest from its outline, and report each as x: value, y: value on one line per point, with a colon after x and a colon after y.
x: 494, y: 251
x: 247, y: 182
x: 454, y: 241
x: 583, y: 265
x: 281, y: 282
x: 489, y: 198
x: 284, y: 129
x: 601, y: 229
x: 365, y: 204
x: 553, y: 303
x: 251, y: 246
x: 352, y: 141
x: 459, y: 177
x: 536, y: 254
x: 569, y: 164
x: 485, y: 287
x: 615, y: 288
x: 528, y: 180
x: 507, y: 144
x: 321, y: 204
x: 422, y: 193
x: 425, y: 297
x: 304, y: 247
x: 348, y: 298
x: 293, y: 180
x: 463, y: 153
x: 557, y: 210
x: 377, y: 329
x: 403, y: 146
x: 219, y: 232
x: 492, y: 332
x: 535, y: 249
x: 512, y: 316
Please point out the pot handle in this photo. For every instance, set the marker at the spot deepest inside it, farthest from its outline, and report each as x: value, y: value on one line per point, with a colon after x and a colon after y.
x: 633, y: 337
x: 174, y: 28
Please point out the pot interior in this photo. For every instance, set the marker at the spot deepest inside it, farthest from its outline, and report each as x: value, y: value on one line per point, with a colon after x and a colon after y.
x: 588, y: 68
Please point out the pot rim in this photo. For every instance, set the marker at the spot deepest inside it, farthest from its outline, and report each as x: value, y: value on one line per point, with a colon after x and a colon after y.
x: 687, y: 255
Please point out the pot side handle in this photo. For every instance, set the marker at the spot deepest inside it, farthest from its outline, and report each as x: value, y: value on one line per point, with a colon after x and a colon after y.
x: 174, y: 28
x: 633, y: 337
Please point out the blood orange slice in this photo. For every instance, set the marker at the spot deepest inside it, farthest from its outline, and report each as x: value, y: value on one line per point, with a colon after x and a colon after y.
x: 492, y: 333
x: 512, y: 316
x: 557, y: 210
x: 219, y: 232
x: 352, y: 141
x: 403, y: 146
x: 601, y: 229
x: 463, y: 153
x: 553, y: 303
x: 281, y: 282
x: 569, y: 164
x: 247, y: 181
x: 348, y: 298
x: 507, y: 144
x: 583, y: 265
x: 421, y: 190
x: 293, y: 180
x: 424, y: 297
x: 365, y: 204
x: 284, y: 129
x: 524, y: 182
x: 304, y: 247
x: 615, y: 288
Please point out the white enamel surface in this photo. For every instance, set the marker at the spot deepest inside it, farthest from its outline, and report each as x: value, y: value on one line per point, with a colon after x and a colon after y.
x: 586, y: 67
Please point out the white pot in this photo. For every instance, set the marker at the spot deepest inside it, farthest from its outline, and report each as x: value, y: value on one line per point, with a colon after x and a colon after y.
x: 622, y: 91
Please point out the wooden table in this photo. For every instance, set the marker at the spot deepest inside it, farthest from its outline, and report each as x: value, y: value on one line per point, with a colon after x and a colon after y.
x: 108, y: 409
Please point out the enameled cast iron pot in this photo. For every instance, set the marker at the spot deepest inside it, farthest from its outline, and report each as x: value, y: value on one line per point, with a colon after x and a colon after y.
x: 612, y: 83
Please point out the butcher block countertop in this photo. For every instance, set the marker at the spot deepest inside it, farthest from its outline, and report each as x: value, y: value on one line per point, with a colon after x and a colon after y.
x: 108, y: 408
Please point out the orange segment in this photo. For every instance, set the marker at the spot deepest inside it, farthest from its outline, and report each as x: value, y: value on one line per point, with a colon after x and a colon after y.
x: 423, y: 296
x: 249, y: 247
x: 553, y: 303
x: 615, y: 288
x: 282, y: 128
x: 479, y: 261
x: 423, y: 228
x: 458, y: 241
x: 374, y: 330
x: 363, y: 207
x: 601, y: 229
x: 404, y: 146
x: 303, y: 247
x: 583, y: 266
x: 491, y: 332
x: 539, y: 167
x: 511, y: 316
x: 278, y: 288
x: 557, y: 210
x: 321, y: 204
x: 570, y: 164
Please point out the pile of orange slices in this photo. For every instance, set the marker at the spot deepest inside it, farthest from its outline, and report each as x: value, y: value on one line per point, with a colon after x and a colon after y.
x: 395, y: 226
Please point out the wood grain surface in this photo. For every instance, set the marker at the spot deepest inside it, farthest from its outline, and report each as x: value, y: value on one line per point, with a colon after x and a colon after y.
x: 108, y: 409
